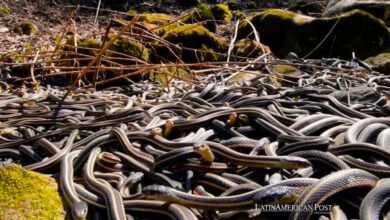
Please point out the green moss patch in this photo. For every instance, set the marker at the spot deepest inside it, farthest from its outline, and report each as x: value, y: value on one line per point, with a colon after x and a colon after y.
x: 163, y: 75
x: 222, y: 13
x: 193, y: 36
x: 204, y: 15
x: 196, y: 37
x: 248, y: 48
x: 28, y: 195
x: 285, y: 32
x: 130, y: 47
x: 156, y: 18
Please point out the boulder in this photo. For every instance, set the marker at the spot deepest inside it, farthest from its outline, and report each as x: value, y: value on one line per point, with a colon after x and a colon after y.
x: 196, y: 37
x: 308, y: 7
x: 380, y: 9
x: 249, y: 48
x: 380, y: 63
x: 221, y: 13
x: 204, y: 15
x: 355, y: 31
x: 26, y: 195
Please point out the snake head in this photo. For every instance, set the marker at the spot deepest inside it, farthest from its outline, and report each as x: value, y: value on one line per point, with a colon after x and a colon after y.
x: 79, y: 210
x: 294, y: 162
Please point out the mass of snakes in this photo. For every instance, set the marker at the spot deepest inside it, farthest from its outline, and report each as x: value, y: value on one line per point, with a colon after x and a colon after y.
x: 316, y: 144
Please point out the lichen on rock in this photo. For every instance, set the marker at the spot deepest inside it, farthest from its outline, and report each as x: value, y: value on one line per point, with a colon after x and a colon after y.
x: 285, y: 32
x: 28, y: 195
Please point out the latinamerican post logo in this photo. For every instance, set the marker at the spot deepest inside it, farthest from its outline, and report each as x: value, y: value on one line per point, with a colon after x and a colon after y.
x: 315, y: 208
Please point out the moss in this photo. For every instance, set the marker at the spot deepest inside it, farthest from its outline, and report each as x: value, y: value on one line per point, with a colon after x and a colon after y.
x: 285, y: 32
x: 85, y: 45
x: 202, y: 14
x: 285, y: 70
x: 4, y: 11
x: 131, y: 47
x: 221, y: 12
x: 163, y: 74
x: 196, y: 37
x: 248, y: 48
x: 156, y: 18
x: 236, y: 15
x: 28, y: 28
x: 28, y: 195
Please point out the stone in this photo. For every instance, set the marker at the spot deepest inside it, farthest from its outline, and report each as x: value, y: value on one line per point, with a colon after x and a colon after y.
x: 3, y: 29
x: 308, y: 7
x: 380, y: 9
x: 355, y: 31
x: 196, y: 37
x: 380, y: 63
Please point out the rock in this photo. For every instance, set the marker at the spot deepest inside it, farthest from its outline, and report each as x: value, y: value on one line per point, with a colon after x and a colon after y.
x: 28, y: 195
x: 27, y: 28
x: 196, y: 37
x: 202, y: 14
x: 380, y: 63
x: 380, y: 9
x: 91, y: 47
x: 190, y: 2
x: 155, y: 18
x: 221, y: 13
x: 308, y: 7
x: 3, y: 29
x: 249, y: 48
x: 361, y: 94
x: 130, y: 47
x: 286, y: 32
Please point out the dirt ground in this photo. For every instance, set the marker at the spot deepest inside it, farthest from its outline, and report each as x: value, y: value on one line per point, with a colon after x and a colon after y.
x: 51, y: 17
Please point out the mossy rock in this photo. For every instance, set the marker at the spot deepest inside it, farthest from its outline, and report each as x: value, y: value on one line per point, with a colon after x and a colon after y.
x: 283, y: 73
x: 221, y: 13
x: 308, y: 7
x: 87, y: 46
x: 202, y: 14
x: 286, y: 32
x: 249, y: 48
x: 28, y: 195
x: 130, y: 47
x: 163, y: 75
x: 156, y: 18
x: 238, y: 15
x: 27, y: 28
x: 380, y: 63
x: 195, y: 37
x: 380, y: 9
